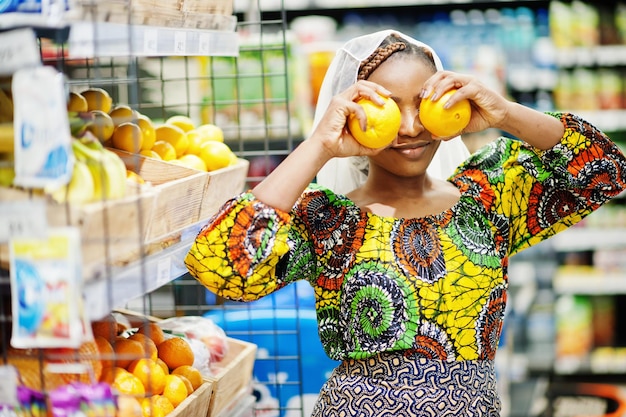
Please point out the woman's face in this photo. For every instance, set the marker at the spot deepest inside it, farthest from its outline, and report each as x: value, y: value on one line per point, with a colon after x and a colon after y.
x: 413, y: 149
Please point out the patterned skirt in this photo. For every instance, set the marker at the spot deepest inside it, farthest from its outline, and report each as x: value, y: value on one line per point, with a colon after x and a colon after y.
x: 393, y: 385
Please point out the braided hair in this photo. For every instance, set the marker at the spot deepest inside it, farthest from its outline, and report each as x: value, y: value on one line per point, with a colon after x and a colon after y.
x: 390, y: 45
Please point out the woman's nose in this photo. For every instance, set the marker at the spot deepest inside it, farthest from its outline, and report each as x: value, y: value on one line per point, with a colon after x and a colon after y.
x: 410, y: 124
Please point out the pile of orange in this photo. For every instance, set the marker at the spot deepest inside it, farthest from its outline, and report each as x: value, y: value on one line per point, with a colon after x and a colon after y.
x: 149, y: 366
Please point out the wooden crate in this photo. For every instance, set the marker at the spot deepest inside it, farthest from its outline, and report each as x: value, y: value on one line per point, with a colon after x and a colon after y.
x: 233, y: 375
x: 223, y: 184
x: 184, y: 196
x: 112, y: 232
x: 197, y: 404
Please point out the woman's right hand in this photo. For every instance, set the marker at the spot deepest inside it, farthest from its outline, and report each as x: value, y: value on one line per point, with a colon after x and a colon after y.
x: 332, y: 132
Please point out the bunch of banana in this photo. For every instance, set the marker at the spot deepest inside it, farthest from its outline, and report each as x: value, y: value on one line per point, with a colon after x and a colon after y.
x: 98, y: 174
x: 106, y: 167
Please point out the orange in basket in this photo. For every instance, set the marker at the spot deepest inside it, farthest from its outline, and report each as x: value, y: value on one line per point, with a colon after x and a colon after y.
x: 175, y: 352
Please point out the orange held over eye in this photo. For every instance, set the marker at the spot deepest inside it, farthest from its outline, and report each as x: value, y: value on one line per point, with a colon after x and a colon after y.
x: 444, y: 122
x: 383, y: 123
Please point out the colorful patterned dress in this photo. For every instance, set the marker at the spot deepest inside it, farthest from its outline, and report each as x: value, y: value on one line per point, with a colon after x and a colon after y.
x: 412, y: 306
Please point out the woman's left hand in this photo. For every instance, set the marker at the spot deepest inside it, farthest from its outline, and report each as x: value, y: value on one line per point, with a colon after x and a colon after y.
x: 489, y: 108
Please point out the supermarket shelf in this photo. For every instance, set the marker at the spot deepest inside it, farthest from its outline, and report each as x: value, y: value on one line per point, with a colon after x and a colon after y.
x: 601, y: 361
x: 601, y: 55
x: 583, y: 238
x: 587, y: 281
x: 607, y: 120
x: 92, y: 39
x: 134, y: 280
x: 95, y: 39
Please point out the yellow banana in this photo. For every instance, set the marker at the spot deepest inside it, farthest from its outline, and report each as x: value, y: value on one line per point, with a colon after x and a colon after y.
x: 106, y: 167
x: 80, y: 189
x: 7, y: 141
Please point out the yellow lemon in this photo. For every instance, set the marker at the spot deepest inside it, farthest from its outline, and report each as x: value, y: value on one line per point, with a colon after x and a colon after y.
x: 132, y: 176
x: 165, y: 150
x: 97, y: 99
x: 123, y: 113
x: 173, y: 135
x: 156, y: 406
x: 127, y: 137
x: 196, y: 139
x: 216, y: 155
x: 191, y: 161
x: 76, y: 102
x: 184, y: 122
x: 102, y: 126
x: 150, y: 153
x: 445, y: 122
x: 147, y: 128
x: 383, y: 123
x: 211, y: 132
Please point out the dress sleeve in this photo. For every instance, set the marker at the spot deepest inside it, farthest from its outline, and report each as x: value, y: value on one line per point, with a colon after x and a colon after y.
x: 244, y: 252
x: 531, y: 194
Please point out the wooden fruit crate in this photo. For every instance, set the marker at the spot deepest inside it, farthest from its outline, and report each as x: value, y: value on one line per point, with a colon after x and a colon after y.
x: 232, y: 376
x: 223, y: 184
x: 111, y: 231
x: 197, y: 404
x: 184, y: 196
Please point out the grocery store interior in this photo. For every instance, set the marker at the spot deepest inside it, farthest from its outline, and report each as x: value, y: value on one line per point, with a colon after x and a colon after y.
x: 253, y: 68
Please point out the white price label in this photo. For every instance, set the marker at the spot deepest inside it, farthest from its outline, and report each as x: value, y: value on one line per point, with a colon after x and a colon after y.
x: 204, y: 44
x: 8, y: 386
x: 150, y: 40
x: 19, y: 219
x: 18, y: 49
x: 180, y: 43
x: 164, y: 274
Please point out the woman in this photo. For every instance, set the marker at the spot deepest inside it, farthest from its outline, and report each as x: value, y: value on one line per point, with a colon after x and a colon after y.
x: 409, y: 270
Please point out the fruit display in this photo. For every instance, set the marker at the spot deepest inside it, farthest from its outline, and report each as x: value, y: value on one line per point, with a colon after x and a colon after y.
x: 178, y: 139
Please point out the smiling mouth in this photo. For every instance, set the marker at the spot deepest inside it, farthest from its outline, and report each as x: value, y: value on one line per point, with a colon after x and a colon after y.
x: 410, y: 146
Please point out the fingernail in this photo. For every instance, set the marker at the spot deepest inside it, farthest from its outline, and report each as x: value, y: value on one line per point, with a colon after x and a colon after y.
x: 447, y: 105
x: 423, y: 93
x: 434, y: 97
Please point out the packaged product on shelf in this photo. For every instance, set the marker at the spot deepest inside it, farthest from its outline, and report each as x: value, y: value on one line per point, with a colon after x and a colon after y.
x: 46, y: 287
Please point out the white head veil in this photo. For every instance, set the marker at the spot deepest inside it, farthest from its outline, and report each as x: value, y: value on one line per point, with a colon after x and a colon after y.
x: 343, y: 175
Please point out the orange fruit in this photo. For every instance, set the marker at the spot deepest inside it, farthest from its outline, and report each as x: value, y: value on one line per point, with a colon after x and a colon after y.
x: 187, y: 383
x: 192, y: 374
x: 127, y: 137
x: 126, y: 351
x: 153, y: 331
x: 148, y: 344
x: 184, y: 122
x: 102, y: 126
x: 444, y: 122
x: 109, y: 374
x: 127, y: 383
x: 175, y: 390
x: 175, y: 352
x: 105, y: 350
x: 215, y: 155
x: 156, y: 406
x: 174, y: 135
x: 128, y: 406
x: 165, y: 150
x: 383, y: 123
x: 150, y: 374
x: 97, y: 99
x: 147, y: 128
x: 106, y: 327
x: 163, y: 365
x: 191, y: 161
x: 76, y: 102
x: 123, y: 113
